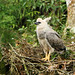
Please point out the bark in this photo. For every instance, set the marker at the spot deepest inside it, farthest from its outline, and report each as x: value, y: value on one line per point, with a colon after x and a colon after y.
x: 68, y: 2
x: 71, y: 15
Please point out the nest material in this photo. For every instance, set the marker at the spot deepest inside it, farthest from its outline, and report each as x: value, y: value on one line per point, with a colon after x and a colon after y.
x: 26, y: 60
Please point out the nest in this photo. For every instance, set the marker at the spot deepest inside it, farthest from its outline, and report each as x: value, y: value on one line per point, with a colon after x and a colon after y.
x: 26, y: 60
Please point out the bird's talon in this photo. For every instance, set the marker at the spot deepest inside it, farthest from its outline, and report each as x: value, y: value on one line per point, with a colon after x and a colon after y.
x: 45, y: 59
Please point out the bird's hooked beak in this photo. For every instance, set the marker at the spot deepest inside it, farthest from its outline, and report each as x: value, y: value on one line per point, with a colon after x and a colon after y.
x: 37, y: 23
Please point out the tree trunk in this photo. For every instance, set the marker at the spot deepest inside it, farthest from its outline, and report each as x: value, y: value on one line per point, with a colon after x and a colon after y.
x: 71, y: 15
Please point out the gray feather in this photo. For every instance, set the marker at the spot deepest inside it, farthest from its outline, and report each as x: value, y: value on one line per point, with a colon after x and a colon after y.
x: 55, y: 41
x: 42, y: 35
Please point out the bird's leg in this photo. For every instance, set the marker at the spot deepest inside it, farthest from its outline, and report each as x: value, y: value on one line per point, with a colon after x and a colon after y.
x: 46, y: 57
x: 49, y: 54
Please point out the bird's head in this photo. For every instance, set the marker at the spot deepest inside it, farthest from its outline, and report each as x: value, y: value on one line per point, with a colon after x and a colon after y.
x: 40, y: 21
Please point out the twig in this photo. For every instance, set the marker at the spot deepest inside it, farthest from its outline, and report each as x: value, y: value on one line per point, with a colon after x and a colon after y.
x: 2, y: 58
x: 64, y: 61
x: 16, y: 69
x: 71, y: 45
x: 25, y: 66
x: 31, y: 58
x: 32, y: 62
x: 17, y: 53
x: 59, y: 70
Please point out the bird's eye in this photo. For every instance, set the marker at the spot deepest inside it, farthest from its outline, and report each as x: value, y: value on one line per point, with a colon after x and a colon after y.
x: 37, y: 23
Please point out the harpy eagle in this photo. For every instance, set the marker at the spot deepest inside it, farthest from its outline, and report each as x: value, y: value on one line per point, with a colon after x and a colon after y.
x: 49, y: 39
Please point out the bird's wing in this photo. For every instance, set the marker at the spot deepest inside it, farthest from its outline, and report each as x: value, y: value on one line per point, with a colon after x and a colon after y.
x: 54, y: 40
x: 54, y: 32
x: 57, y: 34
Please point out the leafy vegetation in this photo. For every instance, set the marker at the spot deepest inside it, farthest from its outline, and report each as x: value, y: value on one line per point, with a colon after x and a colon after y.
x: 20, y: 15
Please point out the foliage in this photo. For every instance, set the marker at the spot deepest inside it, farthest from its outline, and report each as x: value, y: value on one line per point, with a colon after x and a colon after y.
x: 21, y: 14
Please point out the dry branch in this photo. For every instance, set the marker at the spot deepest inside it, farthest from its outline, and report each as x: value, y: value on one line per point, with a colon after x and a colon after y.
x: 27, y: 60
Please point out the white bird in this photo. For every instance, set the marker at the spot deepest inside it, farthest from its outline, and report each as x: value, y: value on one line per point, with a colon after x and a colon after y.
x: 48, y: 38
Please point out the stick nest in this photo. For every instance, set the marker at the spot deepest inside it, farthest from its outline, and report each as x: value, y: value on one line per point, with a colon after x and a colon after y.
x: 26, y: 60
